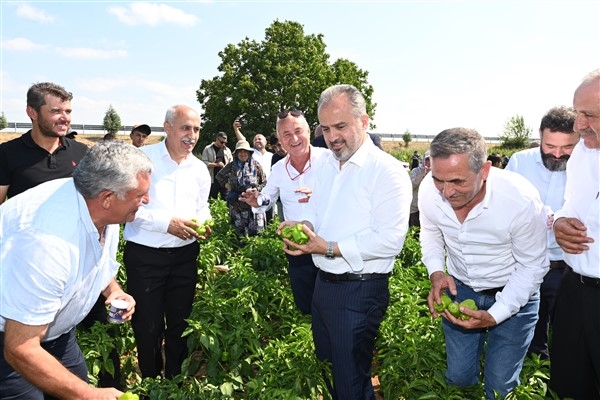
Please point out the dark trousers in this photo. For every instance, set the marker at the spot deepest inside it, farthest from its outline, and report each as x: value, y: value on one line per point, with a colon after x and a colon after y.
x: 303, y: 273
x: 216, y: 189
x: 64, y: 348
x: 548, y: 293
x: 98, y: 313
x: 575, y: 346
x: 345, y: 319
x: 163, y: 283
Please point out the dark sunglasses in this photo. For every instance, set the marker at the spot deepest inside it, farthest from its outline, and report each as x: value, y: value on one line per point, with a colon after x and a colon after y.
x: 295, y: 113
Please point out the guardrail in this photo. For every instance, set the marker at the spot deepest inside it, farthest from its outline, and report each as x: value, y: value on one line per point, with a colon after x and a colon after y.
x: 79, y: 128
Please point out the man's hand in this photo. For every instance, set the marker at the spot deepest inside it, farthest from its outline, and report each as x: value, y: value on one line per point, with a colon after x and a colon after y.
x: 479, y: 318
x: 571, y: 235
x: 315, y: 244
x: 305, y: 190
x: 250, y: 197
x: 439, y: 283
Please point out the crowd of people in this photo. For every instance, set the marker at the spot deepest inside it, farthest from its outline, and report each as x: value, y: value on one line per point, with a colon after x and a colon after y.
x: 517, y: 236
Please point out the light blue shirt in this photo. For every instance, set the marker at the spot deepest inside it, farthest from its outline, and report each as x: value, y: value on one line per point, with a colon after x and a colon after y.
x: 550, y: 185
x: 52, y: 265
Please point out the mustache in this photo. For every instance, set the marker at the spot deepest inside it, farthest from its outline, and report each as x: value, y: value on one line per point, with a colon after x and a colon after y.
x: 188, y: 141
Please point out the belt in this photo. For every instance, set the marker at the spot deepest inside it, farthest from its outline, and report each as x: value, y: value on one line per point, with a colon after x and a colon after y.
x: 168, y: 250
x: 351, y: 277
x: 560, y: 264
x: 491, y: 292
x: 587, y: 280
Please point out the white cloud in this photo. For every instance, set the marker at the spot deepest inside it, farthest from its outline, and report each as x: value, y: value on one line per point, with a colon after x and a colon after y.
x: 87, y: 53
x: 153, y: 14
x: 35, y: 14
x: 21, y: 44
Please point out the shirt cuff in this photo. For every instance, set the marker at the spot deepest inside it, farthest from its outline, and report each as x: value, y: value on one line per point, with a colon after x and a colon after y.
x: 349, y: 251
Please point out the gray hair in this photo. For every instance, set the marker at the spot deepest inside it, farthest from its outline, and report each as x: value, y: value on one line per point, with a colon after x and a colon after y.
x: 357, y: 100
x: 460, y: 141
x: 592, y: 76
x: 110, y: 165
x: 174, y: 111
x: 36, y: 95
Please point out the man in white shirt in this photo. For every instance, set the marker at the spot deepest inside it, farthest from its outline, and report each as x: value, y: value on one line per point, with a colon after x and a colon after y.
x: 545, y: 166
x: 483, y: 237
x: 292, y: 180
x: 161, y: 250
x: 356, y: 221
x: 58, y: 248
x: 575, y: 348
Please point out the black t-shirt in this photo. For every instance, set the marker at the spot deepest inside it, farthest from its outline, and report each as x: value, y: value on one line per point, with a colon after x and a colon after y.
x: 220, y: 157
x: 24, y: 164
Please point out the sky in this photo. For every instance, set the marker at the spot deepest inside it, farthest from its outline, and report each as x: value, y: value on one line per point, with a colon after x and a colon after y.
x: 433, y: 64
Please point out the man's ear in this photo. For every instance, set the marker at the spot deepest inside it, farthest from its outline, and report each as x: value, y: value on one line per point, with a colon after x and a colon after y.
x: 31, y: 113
x: 106, y: 198
x: 485, y: 170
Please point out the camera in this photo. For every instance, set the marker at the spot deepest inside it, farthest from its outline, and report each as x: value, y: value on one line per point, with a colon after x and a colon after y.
x: 242, y: 120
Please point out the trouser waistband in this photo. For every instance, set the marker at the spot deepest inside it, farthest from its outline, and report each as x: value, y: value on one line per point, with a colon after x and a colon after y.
x: 351, y: 277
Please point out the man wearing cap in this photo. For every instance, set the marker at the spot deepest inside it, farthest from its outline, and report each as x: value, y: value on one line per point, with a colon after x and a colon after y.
x: 416, y: 176
x: 139, y: 134
x: 216, y: 155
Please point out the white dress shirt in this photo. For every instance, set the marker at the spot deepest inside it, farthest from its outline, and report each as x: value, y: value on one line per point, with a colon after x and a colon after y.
x: 582, y: 202
x: 52, y: 266
x: 364, y: 206
x: 550, y: 185
x: 501, y: 243
x: 285, y: 179
x: 177, y: 190
x: 264, y: 159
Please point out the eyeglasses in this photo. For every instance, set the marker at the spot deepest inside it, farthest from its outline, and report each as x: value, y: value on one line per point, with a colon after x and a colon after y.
x: 284, y: 113
x: 297, y: 176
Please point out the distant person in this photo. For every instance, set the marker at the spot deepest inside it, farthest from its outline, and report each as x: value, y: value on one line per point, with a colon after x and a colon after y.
x: 483, y: 237
x: 545, y: 167
x: 216, y: 155
x: 241, y: 174
x: 58, y: 248
x: 356, y: 221
x: 278, y: 148
x: 575, y: 348
x: 319, y: 140
x: 415, y: 161
x: 45, y: 153
x: 161, y: 246
x: 416, y: 177
x: 259, y: 148
x: 495, y: 160
x: 71, y: 134
x: 139, y: 134
x: 109, y: 136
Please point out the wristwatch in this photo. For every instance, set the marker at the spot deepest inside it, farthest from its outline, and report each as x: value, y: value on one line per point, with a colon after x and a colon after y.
x: 262, y: 200
x: 329, y: 252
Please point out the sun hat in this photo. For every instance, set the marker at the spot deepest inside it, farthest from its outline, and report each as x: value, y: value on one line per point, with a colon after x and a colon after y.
x: 242, y: 145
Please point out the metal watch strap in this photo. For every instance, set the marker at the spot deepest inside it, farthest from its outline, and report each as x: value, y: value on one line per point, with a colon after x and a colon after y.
x: 329, y: 252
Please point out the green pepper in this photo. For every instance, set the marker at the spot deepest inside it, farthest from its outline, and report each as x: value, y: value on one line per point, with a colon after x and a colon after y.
x: 445, y: 300
x: 454, y: 309
x: 470, y: 304
x: 287, y: 232
x: 298, y: 235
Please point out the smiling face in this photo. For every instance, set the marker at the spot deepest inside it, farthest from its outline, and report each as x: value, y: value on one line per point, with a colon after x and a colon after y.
x: 54, y: 118
x: 587, y: 104
x: 138, y: 139
x: 344, y: 133
x: 123, y: 210
x: 182, y: 132
x: 294, y: 135
x: 460, y: 186
x: 242, y: 155
x: 556, y: 148
x: 259, y: 142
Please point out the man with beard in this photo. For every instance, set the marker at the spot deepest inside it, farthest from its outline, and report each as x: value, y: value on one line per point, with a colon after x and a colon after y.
x: 575, y: 348
x: 545, y: 167
x: 45, y: 153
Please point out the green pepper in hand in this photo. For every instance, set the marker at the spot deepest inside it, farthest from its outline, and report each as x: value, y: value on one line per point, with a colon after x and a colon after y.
x: 454, y: 309
x: 445, y: 300
x: 470, y: 304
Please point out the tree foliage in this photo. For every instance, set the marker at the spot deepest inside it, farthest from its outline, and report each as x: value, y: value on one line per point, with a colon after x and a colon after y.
x: 516, y: 133
x: 407, y: 137
x: 288, y: 70
x: 3, y: 121
x: 112, y: 121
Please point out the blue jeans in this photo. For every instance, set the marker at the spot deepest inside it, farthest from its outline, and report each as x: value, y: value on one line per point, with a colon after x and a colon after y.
x: 505, y: 351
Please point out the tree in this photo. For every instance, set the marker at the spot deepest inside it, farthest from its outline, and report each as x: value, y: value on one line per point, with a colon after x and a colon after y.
x: 407, y: 137
x: 287, y: 70
x: 112, y: 121
x: 516, y: 134
x: 3, y: 122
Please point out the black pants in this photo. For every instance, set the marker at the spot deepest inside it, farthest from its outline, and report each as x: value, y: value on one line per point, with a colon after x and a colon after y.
x: 98, y: 313
x: 575, y: 347
x: 303, y: 273
x: 163, y: 283
x: 216, y: 189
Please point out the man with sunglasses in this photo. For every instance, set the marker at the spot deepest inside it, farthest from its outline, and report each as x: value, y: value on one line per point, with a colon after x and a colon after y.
x: 483, y: 237
x: 291, y: 181
x: 217, y: 155
x: 356, y: 221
